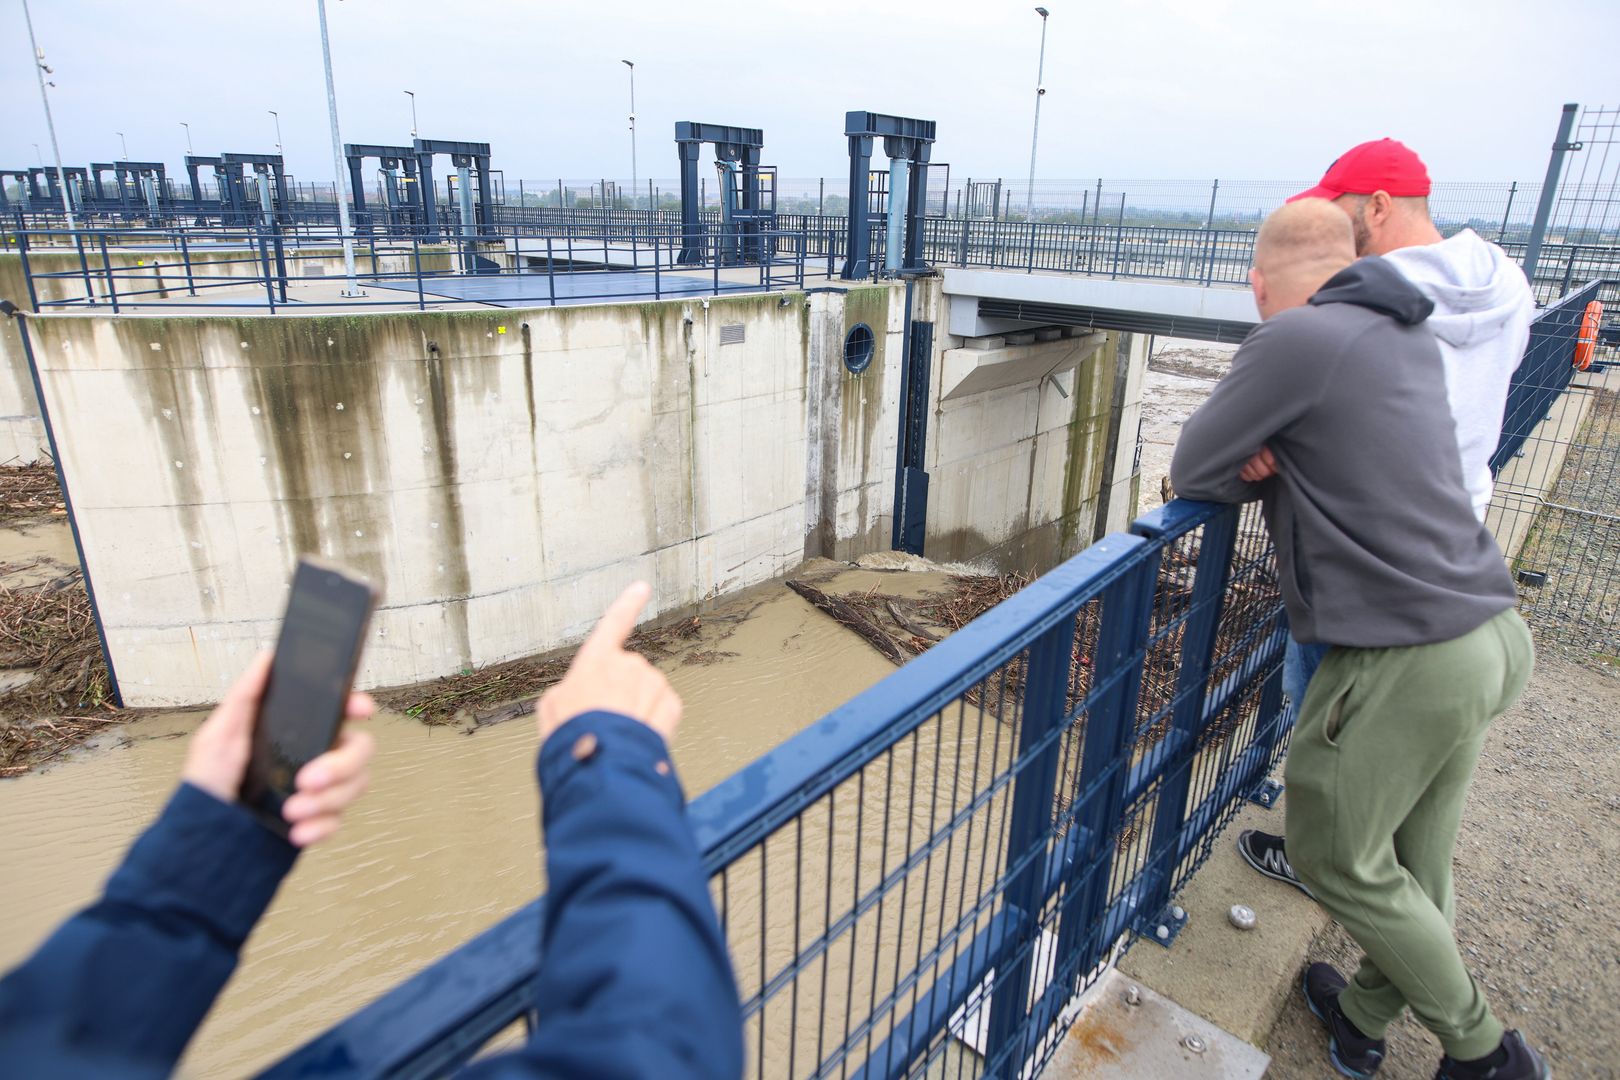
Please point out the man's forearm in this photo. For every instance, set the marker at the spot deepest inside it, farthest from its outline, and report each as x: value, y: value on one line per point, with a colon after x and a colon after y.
x: 128, y: 980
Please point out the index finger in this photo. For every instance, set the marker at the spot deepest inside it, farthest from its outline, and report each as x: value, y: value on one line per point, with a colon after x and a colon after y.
x: 613, y: 629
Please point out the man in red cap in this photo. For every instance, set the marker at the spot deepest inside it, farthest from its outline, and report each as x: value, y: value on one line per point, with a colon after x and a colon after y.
x: 1481, y: 322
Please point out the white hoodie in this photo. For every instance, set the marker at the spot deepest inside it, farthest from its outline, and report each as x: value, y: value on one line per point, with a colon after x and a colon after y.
x: 1482, y: 311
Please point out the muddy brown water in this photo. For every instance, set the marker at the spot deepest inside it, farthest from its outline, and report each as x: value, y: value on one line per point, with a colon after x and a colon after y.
x: 443, y: 845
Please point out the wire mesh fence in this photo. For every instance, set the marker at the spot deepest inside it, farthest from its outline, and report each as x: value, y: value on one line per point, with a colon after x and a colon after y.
x: 1556, y: 506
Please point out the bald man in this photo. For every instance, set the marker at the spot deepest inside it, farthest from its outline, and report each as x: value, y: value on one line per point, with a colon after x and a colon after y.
x: 1380, y: 556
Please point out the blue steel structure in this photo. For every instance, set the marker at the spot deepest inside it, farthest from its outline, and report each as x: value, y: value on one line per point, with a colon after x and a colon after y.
x: 964, y: 846
x: 402, y: 211
x: 736, y: 150
x: 467, y: 158
x: 907, y: 143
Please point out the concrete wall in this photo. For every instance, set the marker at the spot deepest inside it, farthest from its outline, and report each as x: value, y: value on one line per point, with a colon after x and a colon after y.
x: 1032, y: 445
x: 503, y: 473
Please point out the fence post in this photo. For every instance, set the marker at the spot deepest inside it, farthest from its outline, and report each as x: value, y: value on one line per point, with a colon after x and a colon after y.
x: 1180, y: 742
x: 1507, y: 213
x: 27, y: 271
x: 551, y: 273
x: 416, y: 262
x: 1045, y: 710
x: 185, y: 254
x: 264, y: 263
x: 1098, y: 792
x: 1549, y: 192
x: 1119, y: 236
x: 106, y: 267
x: 1030, y: 268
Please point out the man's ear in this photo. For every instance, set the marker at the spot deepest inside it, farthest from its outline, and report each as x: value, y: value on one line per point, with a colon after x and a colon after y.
x: 1257, y: 282
x: 1378, y: 208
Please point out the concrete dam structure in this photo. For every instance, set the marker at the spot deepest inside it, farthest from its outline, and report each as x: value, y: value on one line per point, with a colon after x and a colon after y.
x: 503, y: 472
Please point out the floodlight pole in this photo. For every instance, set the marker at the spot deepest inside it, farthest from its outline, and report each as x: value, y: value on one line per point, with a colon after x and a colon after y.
x: 50, y: 125
x: 1035, y: 135
x: 337, y: 160
x: 635, y: 179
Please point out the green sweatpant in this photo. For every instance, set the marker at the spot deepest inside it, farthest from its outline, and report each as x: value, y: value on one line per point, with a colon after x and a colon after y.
x: 1377, y: 774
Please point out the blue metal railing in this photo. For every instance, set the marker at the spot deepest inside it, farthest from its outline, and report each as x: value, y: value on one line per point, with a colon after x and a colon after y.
x: 948, y: 859
x: 1546, y: 370
x: 262, y: 268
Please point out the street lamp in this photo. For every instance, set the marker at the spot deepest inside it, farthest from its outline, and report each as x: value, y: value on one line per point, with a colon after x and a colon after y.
x: 412, y: 95
x: 635, y: 180
x: 43, y: 69
x: 277, y: 116
x: 39, y: 154
x: 341, y: 184
x: 122, y: 143
x: 187, y: 126
x: 1040, y: 92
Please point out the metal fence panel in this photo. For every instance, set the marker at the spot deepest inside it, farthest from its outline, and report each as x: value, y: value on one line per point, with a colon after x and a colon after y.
x: 927, y: 877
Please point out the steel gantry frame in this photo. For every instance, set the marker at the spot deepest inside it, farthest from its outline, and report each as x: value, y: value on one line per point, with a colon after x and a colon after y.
x: 907, y: 144
x: 743, y: 212
x: 402, y: 191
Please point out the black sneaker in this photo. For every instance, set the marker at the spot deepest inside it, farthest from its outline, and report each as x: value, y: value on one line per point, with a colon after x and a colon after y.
x: 1513, y: 1060
x: 1353, y: 1053
x: 1265, y: 853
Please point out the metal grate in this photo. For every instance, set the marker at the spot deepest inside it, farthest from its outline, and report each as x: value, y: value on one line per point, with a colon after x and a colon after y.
x: 731, y: 334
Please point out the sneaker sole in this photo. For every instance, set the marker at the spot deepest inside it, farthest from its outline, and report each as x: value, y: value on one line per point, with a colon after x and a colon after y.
x: 1333, y: 1043
x: 1272, y: 874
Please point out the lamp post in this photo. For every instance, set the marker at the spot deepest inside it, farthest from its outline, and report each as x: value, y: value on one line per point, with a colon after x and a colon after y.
x: 412, y: 95
x: 341, y: 184
x: 635, y: 179
x: 187, y: 126
x: 39, y: 154
x: 277, y: 117
x: 122, y: 143
x: 43, y: 69
x: 1035, y: 135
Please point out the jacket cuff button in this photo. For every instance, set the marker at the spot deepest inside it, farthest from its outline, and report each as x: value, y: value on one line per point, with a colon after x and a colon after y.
x: 585, y: 747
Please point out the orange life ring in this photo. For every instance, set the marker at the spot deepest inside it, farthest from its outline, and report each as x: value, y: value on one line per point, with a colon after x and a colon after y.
x: 1586, y: 340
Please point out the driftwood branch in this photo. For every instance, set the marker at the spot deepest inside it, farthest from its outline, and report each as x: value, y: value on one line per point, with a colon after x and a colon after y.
x: 847, y: 615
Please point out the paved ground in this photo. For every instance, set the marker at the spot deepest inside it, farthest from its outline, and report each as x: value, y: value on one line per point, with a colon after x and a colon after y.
x: 1535, y: 885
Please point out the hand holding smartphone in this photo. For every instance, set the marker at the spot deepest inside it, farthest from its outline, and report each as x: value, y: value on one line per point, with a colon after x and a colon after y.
x: 316, y: 655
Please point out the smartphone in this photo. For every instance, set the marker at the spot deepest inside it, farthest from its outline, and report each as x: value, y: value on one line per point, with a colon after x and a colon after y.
x: 310, y: 678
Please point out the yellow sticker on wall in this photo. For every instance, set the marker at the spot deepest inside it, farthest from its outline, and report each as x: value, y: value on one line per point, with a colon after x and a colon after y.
x: 500, y: 329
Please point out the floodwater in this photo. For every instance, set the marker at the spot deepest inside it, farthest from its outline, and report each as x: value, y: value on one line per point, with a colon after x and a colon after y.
x: 443, y: 845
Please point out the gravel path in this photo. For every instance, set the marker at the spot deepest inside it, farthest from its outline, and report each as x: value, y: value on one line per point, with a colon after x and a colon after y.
x: 1536, y: 877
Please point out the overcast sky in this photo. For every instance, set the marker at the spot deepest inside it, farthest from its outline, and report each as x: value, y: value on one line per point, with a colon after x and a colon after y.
x: 1251, y: 89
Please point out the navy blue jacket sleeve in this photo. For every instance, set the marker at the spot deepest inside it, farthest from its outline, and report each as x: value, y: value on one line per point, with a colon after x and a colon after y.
x: 120, y: 987
x: 634, y: 978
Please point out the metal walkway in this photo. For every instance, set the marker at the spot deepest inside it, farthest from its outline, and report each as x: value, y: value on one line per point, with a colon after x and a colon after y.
x: 528, y: 290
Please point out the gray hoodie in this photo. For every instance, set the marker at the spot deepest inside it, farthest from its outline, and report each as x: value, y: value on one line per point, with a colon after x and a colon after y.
x: 1377, y: 542
x: 1482, y: 311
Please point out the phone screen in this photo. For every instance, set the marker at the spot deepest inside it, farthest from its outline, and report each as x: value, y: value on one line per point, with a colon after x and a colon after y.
x: 310, y: 677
